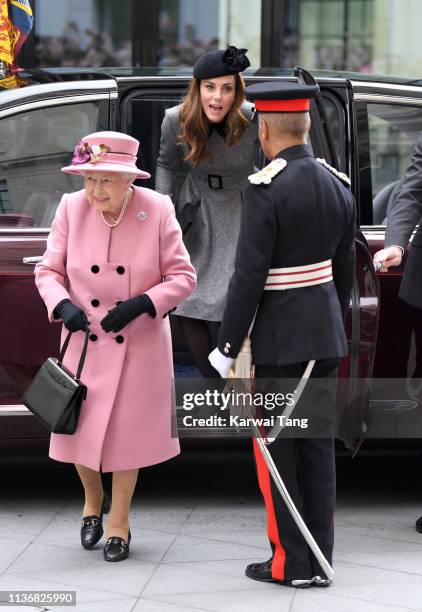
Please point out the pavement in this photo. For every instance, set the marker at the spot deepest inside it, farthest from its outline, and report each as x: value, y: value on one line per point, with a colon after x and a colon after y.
x: 196, y: 522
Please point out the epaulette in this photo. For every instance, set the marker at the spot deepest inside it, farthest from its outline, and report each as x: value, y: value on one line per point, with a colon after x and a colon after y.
x: 340, y: 175
x: 266, y: 175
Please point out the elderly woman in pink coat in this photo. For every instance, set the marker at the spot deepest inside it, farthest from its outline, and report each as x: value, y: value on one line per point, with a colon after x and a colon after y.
x: 115, y: 261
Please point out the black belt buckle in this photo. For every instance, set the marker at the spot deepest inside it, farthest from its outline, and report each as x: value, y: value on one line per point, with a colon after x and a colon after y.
x: 211, y: 182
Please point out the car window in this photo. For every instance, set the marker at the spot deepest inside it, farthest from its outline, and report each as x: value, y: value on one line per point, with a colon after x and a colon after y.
x: 393, y: 130
x: 34, y: 146
x: 143, y: 116
x: 335, y: 121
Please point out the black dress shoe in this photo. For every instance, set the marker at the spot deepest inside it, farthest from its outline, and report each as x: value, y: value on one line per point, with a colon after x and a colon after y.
x: 116, y: 549
x: 92, y: 526
x: 418, y: 525
x: 262, y: 573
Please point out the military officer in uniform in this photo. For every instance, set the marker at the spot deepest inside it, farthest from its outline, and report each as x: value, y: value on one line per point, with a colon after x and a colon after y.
x: 294, y: 267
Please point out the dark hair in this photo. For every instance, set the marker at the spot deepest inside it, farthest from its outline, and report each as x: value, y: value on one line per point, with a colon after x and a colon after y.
x: 194, y: 125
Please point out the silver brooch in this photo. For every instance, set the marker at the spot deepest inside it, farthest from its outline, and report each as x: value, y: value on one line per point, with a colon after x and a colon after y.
x: 142, y: 215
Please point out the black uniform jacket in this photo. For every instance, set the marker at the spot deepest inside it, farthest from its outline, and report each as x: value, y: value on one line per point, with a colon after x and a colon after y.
x: 405, y: 215
x: 306, y: 215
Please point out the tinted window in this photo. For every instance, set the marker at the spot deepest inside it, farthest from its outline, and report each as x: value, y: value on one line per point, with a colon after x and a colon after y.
x: 33, y: 148
x: 393, y: 131
x: 145, y: 114
x: 334, y: 117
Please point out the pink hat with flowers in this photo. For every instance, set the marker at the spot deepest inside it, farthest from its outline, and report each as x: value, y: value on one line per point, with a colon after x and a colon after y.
x: 106, y: 152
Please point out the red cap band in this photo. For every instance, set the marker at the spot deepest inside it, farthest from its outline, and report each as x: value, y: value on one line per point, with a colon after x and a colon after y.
x: 286, y: 106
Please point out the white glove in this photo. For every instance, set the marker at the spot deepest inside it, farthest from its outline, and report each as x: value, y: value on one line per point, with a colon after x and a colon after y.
x: 220, y: 362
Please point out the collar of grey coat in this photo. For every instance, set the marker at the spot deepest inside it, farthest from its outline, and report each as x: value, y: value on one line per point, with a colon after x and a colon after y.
x: 220, y: 128
x: 295, y: 152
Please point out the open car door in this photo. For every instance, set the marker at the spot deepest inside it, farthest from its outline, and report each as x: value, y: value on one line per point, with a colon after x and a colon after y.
x: 334, y: 131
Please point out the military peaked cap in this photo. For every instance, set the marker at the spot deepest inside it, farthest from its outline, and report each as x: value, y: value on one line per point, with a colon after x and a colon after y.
x: 284, y: 97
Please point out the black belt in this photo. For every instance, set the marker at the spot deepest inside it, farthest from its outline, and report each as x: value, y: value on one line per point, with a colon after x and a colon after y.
x: 219, y: 181
x: 215, y: 181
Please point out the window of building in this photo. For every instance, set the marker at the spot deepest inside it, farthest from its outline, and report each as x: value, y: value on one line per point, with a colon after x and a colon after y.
x: 88, y: 33
x: 328, y: 34
x: 189, y: 28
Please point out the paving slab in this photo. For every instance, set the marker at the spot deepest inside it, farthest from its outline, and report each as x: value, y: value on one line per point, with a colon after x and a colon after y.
x: 111, y: 605
x: 255, y: 538
x: 272, y: 599
x: 11, y: 582
x: 150, y: 605
x: 318, y: 600
x: 191, y: 548
x: 408, y: 595
x: 357, y: 574
x: 124, y: 578
x: 23, y: 523
x: 44, y: 557
x: 11, y: 550
x: 182, y: 578
x: 403, y: 561
x: 347, y: 542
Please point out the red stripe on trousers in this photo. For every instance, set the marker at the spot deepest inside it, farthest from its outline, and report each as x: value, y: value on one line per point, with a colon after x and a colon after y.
x: 277, y: 567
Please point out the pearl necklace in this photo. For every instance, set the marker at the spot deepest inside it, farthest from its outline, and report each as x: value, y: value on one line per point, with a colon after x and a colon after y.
x: 115, y: 222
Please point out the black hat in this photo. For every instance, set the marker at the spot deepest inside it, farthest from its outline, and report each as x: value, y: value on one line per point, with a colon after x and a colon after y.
x: 281, y: 97
x: 221, y: 63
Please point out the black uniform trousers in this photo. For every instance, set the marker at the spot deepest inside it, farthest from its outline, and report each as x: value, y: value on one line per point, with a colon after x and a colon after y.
x: 307, y: 467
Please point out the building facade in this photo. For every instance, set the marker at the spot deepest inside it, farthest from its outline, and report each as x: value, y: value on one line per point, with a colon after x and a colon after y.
x: 360, y: 35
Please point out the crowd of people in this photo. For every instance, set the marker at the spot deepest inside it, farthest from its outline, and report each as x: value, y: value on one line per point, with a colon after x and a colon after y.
x: 97, y: 48
x: 88, y: 48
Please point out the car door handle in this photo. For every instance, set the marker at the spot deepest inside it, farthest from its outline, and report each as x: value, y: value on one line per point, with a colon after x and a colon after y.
x: 30, y: 261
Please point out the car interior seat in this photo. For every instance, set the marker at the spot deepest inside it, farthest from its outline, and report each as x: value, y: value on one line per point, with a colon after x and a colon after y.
x: 384, y: 202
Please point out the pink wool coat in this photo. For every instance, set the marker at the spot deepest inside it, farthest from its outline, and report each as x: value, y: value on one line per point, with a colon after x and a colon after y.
x: 126, y: 420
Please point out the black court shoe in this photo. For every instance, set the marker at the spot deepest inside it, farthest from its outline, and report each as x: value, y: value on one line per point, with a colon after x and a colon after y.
x: 262, y: 573
x: 117, y: 549
x: 92, y: 526
x: 418, y: 525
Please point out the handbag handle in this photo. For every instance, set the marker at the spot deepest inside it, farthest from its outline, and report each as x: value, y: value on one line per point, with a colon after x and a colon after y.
x: 83, y: 354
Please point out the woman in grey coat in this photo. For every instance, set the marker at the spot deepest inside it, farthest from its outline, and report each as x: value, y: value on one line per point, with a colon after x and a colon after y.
x: 212, y: 134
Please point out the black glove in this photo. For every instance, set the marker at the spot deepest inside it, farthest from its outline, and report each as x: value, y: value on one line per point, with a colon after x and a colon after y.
x: 74, y: 318
x: 126, y: 311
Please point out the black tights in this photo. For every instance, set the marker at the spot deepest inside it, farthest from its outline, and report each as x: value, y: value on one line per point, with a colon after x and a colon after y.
x: 198, y: 338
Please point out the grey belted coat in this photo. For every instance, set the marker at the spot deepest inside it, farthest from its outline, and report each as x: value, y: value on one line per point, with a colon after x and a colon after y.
x: 212, y: 192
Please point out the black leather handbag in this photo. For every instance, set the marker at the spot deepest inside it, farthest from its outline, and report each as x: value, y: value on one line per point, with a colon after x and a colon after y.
x: 55, y: 395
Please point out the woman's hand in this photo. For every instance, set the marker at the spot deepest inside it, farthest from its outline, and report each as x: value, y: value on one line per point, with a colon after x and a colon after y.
x: 74, y: 318
x: 126, y: 311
